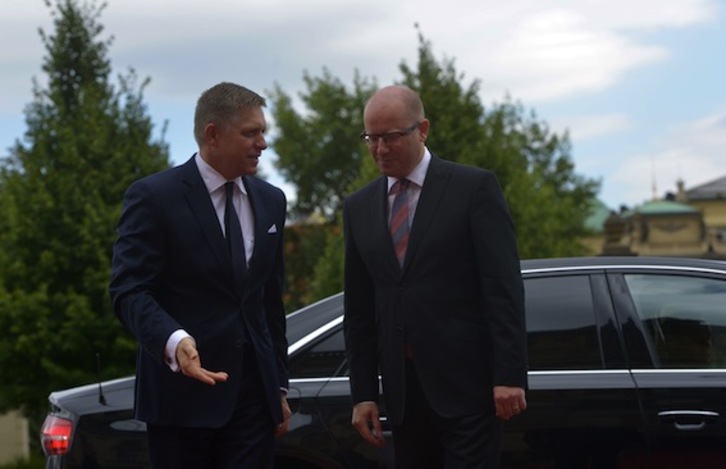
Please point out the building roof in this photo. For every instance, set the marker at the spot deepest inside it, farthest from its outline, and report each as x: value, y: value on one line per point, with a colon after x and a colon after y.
x: 596, y: 216
x: 661, y: 207
x: 713, y: 190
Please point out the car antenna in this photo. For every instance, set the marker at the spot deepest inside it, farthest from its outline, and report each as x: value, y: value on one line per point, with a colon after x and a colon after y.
x: 101, y: 397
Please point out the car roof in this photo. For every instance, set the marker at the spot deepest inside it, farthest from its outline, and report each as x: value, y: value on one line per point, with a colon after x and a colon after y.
x: 616, y: 262
x: 311, y: 318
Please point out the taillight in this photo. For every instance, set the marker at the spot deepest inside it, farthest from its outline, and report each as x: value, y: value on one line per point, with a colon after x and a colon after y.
x: 56, y: 435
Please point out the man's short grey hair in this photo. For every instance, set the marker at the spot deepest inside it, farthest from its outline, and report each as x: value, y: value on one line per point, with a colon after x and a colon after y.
x: 221, y: 104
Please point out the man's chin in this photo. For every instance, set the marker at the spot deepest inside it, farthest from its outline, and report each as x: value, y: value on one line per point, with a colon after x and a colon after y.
x: 252, y: 167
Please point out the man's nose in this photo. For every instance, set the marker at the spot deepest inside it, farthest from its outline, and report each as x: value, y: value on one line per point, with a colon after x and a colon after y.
x: 261, y: 142
x: 382, y: 146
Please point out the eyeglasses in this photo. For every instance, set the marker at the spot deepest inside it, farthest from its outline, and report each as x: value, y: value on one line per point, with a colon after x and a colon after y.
x: 389, y: 138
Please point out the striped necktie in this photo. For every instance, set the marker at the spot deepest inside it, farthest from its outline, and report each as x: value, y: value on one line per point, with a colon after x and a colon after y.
x: 399, y: 218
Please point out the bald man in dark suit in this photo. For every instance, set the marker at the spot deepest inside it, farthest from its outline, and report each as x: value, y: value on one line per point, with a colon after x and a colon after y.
x: 433, y: 297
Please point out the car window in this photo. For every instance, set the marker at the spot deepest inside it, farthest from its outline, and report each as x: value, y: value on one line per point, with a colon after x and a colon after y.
x: 561, y: 329
x: 323, y: 359
x: 684, y: 316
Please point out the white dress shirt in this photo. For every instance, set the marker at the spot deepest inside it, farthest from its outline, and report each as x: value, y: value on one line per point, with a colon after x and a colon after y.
x: 417, y: 177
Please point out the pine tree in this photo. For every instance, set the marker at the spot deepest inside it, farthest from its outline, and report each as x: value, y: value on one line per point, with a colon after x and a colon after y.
x: 60, y: 197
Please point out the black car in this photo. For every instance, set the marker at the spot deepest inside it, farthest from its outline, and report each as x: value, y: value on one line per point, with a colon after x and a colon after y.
x: 627, y: 364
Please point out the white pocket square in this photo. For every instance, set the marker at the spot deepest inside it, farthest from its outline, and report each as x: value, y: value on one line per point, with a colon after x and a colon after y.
x: 272, y: 229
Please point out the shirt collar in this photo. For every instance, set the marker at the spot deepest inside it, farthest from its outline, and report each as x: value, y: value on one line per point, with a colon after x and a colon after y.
x: 212, y: 179
x: 418, y: 175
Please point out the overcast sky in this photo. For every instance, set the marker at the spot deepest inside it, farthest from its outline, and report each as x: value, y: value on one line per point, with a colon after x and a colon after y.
x: 639, y: 84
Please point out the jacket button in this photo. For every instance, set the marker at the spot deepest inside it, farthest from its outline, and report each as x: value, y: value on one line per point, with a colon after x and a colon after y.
x: 237, y: 343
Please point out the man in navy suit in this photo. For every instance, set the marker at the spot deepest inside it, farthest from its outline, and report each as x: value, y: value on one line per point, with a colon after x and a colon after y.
x: 433, y: 297
x: 211, y: 374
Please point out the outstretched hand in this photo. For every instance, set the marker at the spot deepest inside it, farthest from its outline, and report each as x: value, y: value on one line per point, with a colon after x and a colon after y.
x: 190, y: 364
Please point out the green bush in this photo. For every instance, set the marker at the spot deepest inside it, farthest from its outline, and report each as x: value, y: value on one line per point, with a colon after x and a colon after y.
x: 34, y: 462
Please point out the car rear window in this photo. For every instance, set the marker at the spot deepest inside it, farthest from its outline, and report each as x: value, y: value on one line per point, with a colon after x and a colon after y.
x: 561, y: 327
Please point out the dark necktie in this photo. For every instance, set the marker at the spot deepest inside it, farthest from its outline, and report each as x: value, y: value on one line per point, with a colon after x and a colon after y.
x: 233, y: 232
x: 399, y: 218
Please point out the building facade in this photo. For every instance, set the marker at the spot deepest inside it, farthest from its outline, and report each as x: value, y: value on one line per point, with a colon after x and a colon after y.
x: 688, y: 223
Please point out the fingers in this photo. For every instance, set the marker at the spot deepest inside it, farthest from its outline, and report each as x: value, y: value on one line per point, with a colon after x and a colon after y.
x: 509, y: 401
x: 211, y: 377
x: 376, y: 433
x: 367, y: 421
x: 282, y: 427
x: 191, y: 365
x: 195, y: 371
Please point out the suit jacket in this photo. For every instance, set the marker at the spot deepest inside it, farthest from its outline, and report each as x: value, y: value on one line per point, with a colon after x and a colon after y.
x: 458, y: 299
x: 172, y: 270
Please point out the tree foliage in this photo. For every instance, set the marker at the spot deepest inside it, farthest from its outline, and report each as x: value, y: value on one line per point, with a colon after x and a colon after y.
x: 60, y: 194
x: 319, y: 152
x: 549, y: 201
x: 304, y: 244
x: 455, y: 112
x: 328, y: 274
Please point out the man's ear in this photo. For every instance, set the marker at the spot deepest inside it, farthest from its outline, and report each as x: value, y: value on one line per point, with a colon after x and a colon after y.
x: 423, y: 129
x: 211, y: 134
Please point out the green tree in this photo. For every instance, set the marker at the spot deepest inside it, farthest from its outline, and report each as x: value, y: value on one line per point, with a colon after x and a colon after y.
x: 304, y: 244
x: 549, y: 201
x: 319, y: 152
x: 61, y: 189
x: 455, y: 112
x: 328, y: 273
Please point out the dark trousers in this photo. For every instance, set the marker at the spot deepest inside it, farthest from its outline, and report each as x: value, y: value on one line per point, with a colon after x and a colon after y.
x: 426, y: 440
x: 245, y: 441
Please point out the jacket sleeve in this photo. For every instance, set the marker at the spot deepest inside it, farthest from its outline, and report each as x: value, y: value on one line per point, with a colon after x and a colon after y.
x: 501, y: 281
x: 137, y: 265
x: 361, y: 337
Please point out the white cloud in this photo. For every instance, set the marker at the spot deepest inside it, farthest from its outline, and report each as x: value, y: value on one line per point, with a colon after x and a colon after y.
x: 693, y: 153
x: 591, y: 126
x: 558, y: 54
x: 648, y: 14
x: 707, y: 134
x: 538, y: 50
x: 542, y: 52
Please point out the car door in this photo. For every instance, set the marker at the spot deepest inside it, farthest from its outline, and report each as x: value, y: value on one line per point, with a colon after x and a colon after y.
x: 583, y: 409
x: 321, y: 423
x: 681, y: 324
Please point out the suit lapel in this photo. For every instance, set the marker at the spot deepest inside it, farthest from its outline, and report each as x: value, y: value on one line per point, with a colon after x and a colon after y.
x: 437, y: 177
x: 379, y: 220
x: 259, y: 215
x: 200, y: 203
